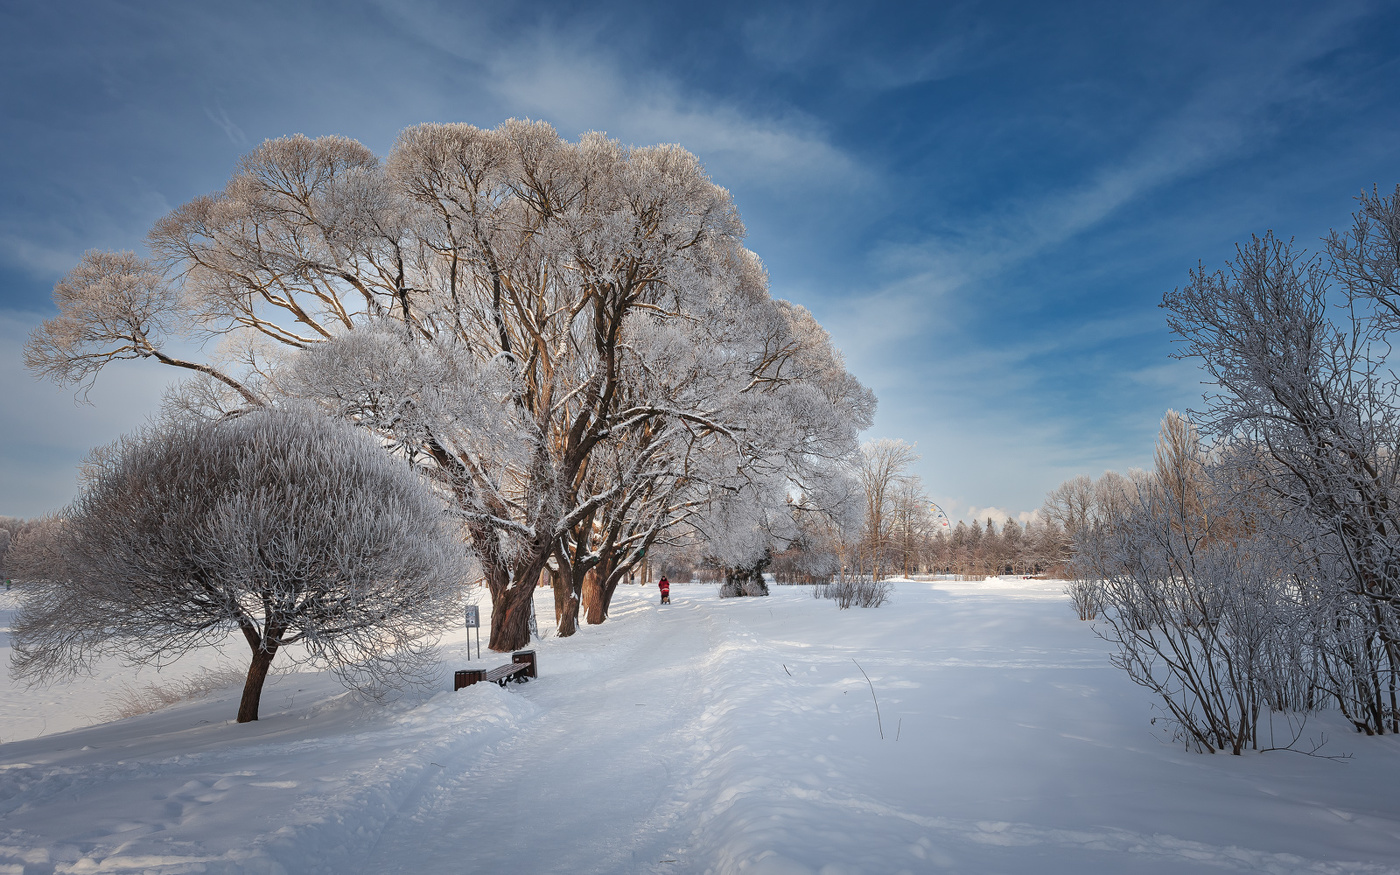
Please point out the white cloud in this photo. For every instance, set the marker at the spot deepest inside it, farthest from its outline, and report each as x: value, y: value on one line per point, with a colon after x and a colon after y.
x: 999, y: 516
x: 579, y: 91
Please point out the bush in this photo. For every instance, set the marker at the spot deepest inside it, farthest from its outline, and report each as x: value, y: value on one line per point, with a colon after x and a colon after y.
x: 1086, y: 596
x: 737, y: 588
x: 132, y: 700
x: 863, y: 593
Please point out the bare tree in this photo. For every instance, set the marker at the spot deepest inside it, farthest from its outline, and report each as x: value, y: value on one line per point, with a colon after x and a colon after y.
x: 1189, y: 608
x: 1070, y: 507
x: 884, y: 464
x: 911, y: 524
x: 284, y: 525
x: 1305, y: 408
x: 34, y: 552
x: 1261, y: 574
x: 1013, y: 546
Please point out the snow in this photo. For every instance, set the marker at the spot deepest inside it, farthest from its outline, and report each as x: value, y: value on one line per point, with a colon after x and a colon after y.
x: 708, y: 736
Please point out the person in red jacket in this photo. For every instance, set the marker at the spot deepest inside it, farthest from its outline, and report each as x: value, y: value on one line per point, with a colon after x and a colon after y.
x: 665, y: 590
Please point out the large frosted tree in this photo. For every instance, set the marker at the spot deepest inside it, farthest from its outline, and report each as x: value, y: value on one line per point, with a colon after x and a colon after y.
x: 570, y: 337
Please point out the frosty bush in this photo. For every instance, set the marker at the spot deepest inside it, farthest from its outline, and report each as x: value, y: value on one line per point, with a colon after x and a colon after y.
x: 735, y: 589
x: 1086, y: 597
x: 132, y: 700
x: 737, y: 585
x: 858, y: 592
x: 286, y: 526
x: 1306, y: 420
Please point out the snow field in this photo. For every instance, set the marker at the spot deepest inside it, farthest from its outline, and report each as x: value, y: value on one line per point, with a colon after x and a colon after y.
x: 708, y: 736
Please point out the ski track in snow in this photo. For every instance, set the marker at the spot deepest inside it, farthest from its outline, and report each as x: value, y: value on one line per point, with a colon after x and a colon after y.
x: 710, y: 736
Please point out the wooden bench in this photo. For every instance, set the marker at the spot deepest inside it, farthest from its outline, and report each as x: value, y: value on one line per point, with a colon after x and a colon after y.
x: 521, y: 668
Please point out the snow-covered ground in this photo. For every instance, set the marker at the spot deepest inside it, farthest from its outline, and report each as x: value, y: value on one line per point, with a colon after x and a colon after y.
x: 706, y: 736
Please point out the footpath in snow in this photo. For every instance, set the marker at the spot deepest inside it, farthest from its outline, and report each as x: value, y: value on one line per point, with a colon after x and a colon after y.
x: 707, y: 736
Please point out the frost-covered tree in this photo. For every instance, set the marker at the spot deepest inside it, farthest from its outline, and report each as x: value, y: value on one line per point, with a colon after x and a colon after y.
x: 33, y: 553
x: 957, y: 546
x: 1258, y: 569
x: 1304, y: 410
x: 292, y: 529
x: 499, y: 306
x: 1013, y: 546
x: 729, y: 490
x: 1069, y: 507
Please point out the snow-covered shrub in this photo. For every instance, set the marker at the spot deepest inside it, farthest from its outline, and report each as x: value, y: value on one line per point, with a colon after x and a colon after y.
x: 132, y: 700
x: 858, y: 592
x: 1196, y: 596
x: 1306, y: 416
x: 737, y: 588
x: 1086, y: 597
x: 284, y: 525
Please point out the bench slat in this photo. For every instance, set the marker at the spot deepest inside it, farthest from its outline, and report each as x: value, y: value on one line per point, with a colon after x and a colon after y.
x: 504, y: 671
x: 523, y: 664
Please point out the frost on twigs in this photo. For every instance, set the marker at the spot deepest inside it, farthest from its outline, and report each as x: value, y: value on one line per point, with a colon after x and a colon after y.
x: 283, y: 525
x: 1253, y: 572
x: 1086, y: 598
x: 568, y: 338
x: 850, y: 592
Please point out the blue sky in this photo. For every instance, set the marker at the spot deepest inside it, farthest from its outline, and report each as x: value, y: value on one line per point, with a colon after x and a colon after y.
x: 983, y: 202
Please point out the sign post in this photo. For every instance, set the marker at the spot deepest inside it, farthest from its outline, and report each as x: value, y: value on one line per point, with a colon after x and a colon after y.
x: 473, y: 622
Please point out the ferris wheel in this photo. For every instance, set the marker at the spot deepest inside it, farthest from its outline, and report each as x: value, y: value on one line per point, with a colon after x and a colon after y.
x: 940, y: 519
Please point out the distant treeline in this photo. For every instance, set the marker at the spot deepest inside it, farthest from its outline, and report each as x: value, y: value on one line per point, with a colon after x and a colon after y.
x: 982, y: 548
x: 15, y: 531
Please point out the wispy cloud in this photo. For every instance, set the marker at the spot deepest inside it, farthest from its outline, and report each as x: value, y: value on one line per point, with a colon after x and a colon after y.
x: 579, y: 83
x: 1230, y: 113
x: 938, y: 289
x: 818, y: 36
x: 219, y: 116
x: 39, y: 260
x: 581, y: 91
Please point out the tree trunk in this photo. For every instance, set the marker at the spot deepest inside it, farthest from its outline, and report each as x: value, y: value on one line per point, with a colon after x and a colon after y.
x: 252, y: 687
x: 608, y: 590
x: 565, y: 605
x: 594, y: 598
x: 510, y: 617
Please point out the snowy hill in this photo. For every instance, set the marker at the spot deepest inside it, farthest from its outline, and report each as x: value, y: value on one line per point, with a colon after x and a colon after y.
x: 704, y: 737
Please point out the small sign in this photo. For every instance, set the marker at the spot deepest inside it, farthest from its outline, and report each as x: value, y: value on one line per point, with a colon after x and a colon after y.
x: 473, y: 617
